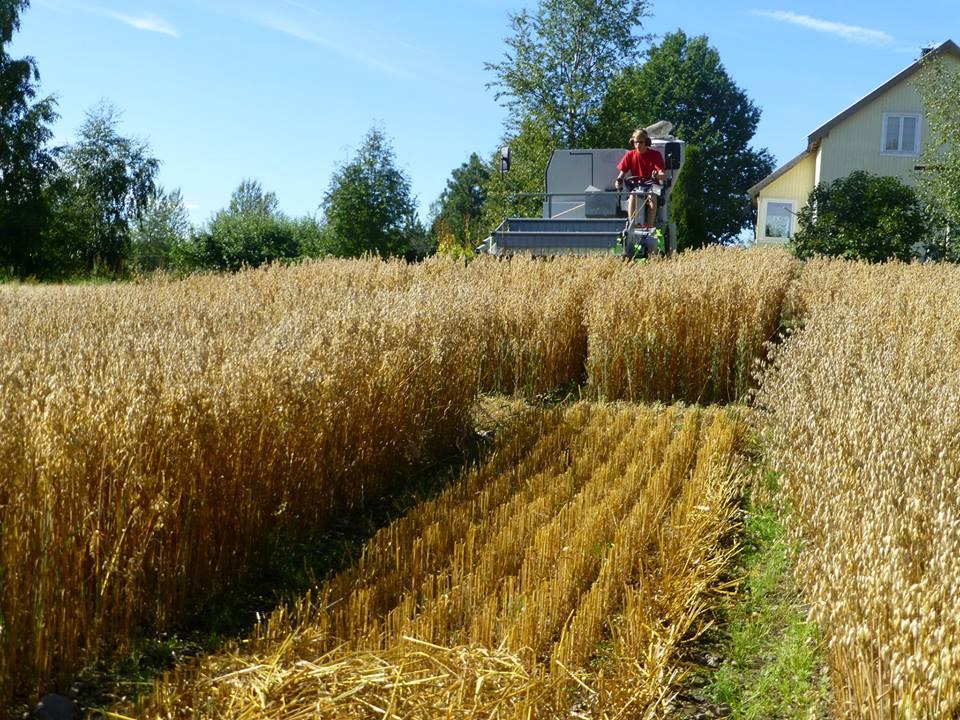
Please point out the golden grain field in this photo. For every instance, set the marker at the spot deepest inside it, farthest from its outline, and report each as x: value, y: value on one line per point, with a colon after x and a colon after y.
x: 560, y: 575
x: 689, y: 328
x: 536, y: 332
x: 158, y: 439
x: 862, y: 415
x: 155, y: 438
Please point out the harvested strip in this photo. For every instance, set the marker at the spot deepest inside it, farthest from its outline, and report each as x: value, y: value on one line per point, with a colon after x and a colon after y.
x: 532, y: 651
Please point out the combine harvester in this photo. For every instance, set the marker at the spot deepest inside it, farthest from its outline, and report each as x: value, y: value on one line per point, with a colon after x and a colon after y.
x: 584, y: 214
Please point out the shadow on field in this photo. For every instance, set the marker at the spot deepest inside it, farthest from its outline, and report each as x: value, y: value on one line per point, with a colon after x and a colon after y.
x: 294, y: 565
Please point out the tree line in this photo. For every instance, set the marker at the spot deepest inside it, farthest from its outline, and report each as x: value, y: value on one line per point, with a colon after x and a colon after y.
x: 94, y: 208
x: 575, y: 73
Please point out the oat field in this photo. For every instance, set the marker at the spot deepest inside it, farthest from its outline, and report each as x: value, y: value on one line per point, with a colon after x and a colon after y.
x: 159, y: 439
x: 562, y: 573
x: 688, y: 329
x: 154, y: 438
x: 861, y: 410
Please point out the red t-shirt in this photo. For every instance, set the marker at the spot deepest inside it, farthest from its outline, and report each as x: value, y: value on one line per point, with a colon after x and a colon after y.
x: 640, y: 164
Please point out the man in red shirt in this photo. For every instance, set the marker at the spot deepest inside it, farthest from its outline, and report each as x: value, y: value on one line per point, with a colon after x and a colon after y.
x: 642, y: 162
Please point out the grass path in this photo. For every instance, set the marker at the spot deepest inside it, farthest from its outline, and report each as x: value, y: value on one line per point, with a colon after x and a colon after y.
x: 763, y: 660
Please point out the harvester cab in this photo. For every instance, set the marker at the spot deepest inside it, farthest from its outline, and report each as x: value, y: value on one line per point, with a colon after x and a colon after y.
x: 584, y: 214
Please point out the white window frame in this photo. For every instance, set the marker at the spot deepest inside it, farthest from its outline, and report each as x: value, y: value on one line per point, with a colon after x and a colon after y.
x: 916, y: 139
x: 791, y: 229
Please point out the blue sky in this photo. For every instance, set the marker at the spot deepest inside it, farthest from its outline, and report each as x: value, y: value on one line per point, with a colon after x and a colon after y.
x: 282, y: 91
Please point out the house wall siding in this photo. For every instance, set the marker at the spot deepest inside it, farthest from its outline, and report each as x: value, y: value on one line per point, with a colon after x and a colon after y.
x: 794, y: 185
x: 855, y: 143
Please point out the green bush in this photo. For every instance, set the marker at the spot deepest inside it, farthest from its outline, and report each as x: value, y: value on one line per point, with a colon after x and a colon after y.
x: 250, y: 232
x: 861, y: 217
x: 247, y: 239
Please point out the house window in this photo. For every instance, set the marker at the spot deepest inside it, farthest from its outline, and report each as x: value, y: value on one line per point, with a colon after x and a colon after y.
x: 779, y: 222
x: 901, y: 134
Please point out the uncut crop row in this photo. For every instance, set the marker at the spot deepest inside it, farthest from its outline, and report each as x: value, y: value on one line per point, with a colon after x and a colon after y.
x: 560, y: 574
x: 158, y: 440
x: 690, y: 329
x: 862, y: 411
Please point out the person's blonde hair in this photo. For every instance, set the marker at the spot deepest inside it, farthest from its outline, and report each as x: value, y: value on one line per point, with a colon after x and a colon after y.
x: 640, y: 134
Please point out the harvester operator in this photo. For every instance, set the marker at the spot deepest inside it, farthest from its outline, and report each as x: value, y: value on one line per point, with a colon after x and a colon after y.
x: 645, y: 163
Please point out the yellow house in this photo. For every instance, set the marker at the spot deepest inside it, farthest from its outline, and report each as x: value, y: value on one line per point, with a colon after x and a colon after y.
x: 882, y: 133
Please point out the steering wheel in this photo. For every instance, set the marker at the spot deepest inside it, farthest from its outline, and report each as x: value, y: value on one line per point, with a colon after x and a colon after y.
x: 635, y: 181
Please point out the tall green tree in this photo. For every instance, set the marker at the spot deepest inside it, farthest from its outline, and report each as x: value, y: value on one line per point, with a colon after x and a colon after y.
x: 161, y: 236
x: 251, y: 199
x: 26, y: 162
x: 369, y: 206
x: 531, y: 145
x: 684, y: 81
x: 113, y: 180
x: 459, y: 210
x: 250, y: 231
x: 861, y: 217
x: 561, y: 58
x: 939, y: 182
x: 687, y: 207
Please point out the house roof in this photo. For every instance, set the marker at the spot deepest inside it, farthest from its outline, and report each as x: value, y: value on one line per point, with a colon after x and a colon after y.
x: 814, y: 138
x: 947, y: 47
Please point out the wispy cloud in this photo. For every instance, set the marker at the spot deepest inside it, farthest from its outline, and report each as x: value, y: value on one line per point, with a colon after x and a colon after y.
x: 146, y: 21
x: 149, y: 23
x: 301, y: 31
x: 324, y: 16
x: 324, y: 26
x: 851, y: 33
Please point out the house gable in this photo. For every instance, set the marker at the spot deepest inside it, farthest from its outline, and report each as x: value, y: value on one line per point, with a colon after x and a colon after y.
x: 856, y: 143
x: 948, y: 49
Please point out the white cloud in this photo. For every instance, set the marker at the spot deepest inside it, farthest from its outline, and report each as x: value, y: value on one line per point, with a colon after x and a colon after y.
x: 149, y: 23
x: 325, y: 18
x: 301, y: 32
x: 378, y: 51
x: 851, y: 33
